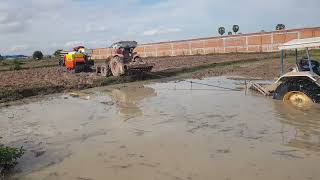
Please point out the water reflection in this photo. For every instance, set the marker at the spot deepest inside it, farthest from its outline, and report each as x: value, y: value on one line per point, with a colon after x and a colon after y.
x: 128, y: 98
x: 306, y: 125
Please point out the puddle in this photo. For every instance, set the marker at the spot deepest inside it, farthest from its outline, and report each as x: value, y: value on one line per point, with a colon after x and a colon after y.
x: 164, y: 131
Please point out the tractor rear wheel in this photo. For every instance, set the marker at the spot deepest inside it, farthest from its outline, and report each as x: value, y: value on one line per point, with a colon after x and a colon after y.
x: 116, y: 66
x: 300, y: 93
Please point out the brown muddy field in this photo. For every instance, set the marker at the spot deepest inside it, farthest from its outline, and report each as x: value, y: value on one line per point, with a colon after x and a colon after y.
x: 37, y: 78
x: 163, y: 131
x: 56, y: 76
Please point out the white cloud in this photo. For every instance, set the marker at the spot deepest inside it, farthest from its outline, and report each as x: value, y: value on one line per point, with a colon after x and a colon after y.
x: 95, y: 28
x: 159, y: 31
x: 72, y: 44
x: 12, y: 18
x: 54, y: 24
x: 16, y: 48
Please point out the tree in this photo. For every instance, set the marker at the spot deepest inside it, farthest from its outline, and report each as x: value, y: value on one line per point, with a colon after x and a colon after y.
x: 280, y: 27
x: 57, y: 53
x: 235, y: 29
x: 1, y: 58
x: 222, y: 30
x: 37, y: 55
x: 229, y: 33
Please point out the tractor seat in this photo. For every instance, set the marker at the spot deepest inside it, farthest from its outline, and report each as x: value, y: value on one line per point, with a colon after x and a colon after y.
x: 304, y: 66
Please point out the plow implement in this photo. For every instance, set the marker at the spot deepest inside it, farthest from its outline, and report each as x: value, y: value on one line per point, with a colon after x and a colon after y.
x: 139, y: 68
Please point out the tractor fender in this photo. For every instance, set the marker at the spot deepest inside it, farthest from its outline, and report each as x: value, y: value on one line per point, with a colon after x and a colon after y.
x: 118, y: 55
x: 297, y: 75
x: 111, y: 57
x: 136, y: 56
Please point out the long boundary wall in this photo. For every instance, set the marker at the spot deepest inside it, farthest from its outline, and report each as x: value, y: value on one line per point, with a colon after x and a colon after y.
x: 245, y: 43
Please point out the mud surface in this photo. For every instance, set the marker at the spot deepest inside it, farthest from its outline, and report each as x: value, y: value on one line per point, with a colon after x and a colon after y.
x: 40, y: 80
x: 163, y: 131
x: 163, y: 63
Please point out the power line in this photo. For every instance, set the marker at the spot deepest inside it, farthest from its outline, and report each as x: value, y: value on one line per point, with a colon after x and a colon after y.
x: 193, y: 82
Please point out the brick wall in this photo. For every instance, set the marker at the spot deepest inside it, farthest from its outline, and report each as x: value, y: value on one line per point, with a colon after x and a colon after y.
x: 254, y: 42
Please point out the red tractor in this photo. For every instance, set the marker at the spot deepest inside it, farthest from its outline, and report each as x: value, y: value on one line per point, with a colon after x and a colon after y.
x: 124, y: 61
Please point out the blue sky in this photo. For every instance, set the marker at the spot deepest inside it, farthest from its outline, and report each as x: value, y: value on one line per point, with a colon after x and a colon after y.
x: 47, y: 25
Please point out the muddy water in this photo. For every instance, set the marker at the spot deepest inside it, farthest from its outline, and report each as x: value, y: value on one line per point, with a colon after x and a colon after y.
x: 164, y: 131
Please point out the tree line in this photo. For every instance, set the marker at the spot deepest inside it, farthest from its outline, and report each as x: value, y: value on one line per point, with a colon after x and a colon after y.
x: 235, y: 29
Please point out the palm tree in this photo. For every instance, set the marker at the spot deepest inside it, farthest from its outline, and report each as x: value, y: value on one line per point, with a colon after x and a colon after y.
x: 222, y: 30
x: 235, y: 28
x: 280, y: 27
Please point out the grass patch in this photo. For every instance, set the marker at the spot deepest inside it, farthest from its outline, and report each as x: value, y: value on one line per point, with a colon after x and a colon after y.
x: 9, y: 158
x: 15, y: 65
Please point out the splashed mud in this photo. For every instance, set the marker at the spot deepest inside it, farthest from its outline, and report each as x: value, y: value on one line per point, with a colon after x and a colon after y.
x: 164, y: 131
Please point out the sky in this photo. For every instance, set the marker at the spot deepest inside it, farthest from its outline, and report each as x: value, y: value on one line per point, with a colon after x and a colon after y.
x: 48, y: 25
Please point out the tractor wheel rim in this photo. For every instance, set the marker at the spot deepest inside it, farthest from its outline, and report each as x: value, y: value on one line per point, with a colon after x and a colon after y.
x: 298, y: 99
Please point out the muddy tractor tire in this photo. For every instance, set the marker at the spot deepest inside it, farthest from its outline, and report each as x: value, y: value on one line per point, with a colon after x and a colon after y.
x: 299, y: 92
x: 116, y: 66
x: 105, y: 71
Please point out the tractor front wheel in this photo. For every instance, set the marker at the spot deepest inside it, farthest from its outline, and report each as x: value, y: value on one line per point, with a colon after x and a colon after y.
x: 80, y: 67
x: 300, y: 93
x: 105, y: 71
x: 298, y: 99
x: 116, y: 66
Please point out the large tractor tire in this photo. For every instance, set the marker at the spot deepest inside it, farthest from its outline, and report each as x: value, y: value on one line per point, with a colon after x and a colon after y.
x: 105, y: 71
x: 116, y: 66
x: 299, y: 92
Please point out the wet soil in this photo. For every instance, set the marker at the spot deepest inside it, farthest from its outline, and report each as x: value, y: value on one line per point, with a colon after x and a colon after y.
x: 163, y: 131
x: 164, y: 63
x: 15, y: 85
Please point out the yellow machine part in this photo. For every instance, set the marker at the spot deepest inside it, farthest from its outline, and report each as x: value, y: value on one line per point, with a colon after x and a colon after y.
x: 298, y: 99
x: 75, y: 56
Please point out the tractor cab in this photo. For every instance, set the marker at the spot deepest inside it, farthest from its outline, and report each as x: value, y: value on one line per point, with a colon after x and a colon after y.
x: 125, y: 50
x: 303, y: 65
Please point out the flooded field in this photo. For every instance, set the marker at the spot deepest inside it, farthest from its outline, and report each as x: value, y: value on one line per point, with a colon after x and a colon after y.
x: 164, y: 131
